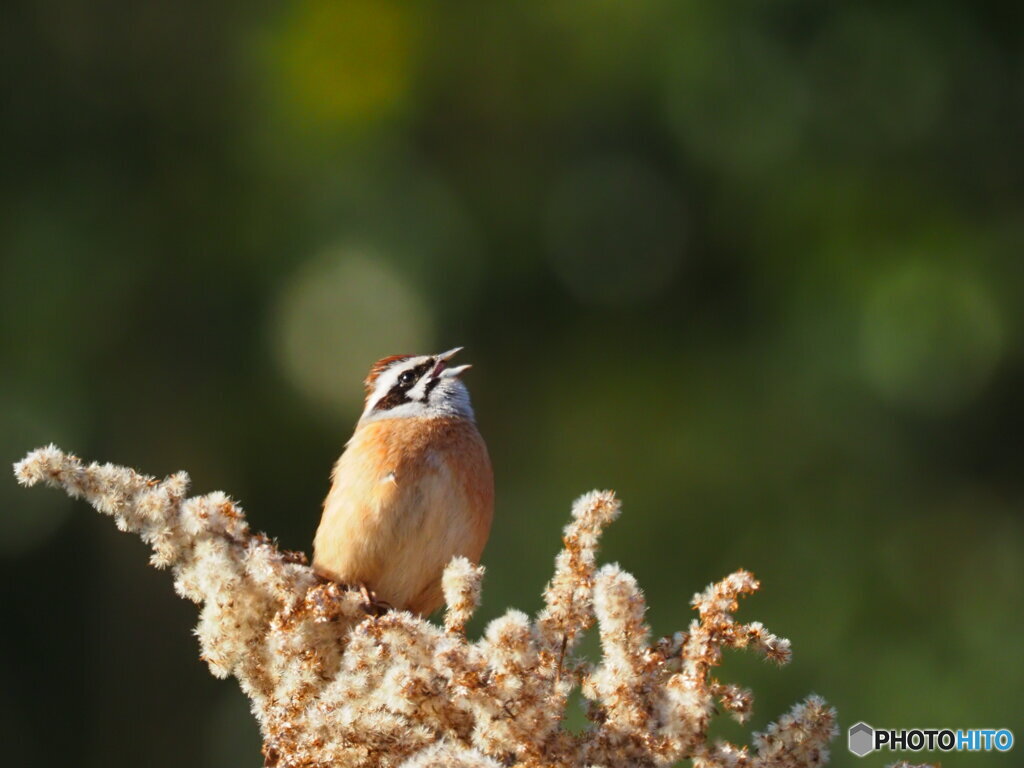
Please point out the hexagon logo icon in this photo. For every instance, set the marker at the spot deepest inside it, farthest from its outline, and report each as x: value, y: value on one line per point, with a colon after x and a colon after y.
x: 861, y: 739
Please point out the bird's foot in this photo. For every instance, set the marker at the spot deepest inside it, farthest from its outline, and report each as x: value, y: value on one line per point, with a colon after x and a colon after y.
x: 372, y: 604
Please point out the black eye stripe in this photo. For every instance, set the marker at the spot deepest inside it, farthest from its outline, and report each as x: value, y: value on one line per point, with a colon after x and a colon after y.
x: 391, y: 400
x: 417, y: 374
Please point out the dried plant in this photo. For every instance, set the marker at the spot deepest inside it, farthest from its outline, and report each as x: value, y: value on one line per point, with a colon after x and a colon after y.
x: 333, y: 686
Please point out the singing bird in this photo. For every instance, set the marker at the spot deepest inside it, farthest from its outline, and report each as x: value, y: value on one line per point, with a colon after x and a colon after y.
x: 412, y: 489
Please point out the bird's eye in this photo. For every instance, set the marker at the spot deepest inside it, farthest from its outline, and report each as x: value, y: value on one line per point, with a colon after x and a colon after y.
x: 407, y: 378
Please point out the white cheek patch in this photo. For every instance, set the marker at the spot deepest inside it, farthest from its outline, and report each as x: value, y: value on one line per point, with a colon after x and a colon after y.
x: 403, y: 411
x: 419, y: 392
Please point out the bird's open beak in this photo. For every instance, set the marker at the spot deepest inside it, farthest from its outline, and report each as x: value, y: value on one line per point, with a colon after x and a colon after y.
x: 441, y: 369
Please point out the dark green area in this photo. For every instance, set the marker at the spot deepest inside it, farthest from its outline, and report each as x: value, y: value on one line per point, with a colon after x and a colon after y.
x: 756, y: 266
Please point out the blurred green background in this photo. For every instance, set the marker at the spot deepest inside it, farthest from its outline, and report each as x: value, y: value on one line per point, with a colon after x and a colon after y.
x: 757, y: 266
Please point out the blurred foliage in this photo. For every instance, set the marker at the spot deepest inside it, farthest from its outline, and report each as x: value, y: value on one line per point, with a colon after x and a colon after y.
x: 757, y: 266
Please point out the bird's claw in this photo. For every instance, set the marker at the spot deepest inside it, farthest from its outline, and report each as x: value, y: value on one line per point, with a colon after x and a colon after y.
x: 372, y: 604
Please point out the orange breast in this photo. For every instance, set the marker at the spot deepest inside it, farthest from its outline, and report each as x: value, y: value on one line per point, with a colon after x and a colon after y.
x: 406, y: 496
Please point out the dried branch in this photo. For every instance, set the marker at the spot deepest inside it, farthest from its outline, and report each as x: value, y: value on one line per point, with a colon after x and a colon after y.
x: 333, y: 686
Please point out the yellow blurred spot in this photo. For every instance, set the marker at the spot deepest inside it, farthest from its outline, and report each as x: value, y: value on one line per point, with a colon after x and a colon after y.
x: 343, y: 62
x: 339, y: 314
x: 931, y: 338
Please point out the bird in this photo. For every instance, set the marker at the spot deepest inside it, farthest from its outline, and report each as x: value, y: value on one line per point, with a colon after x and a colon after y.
x: 412, y: 489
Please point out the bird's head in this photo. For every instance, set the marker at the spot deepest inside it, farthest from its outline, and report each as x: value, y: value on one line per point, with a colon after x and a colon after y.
x: 403, y: 386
